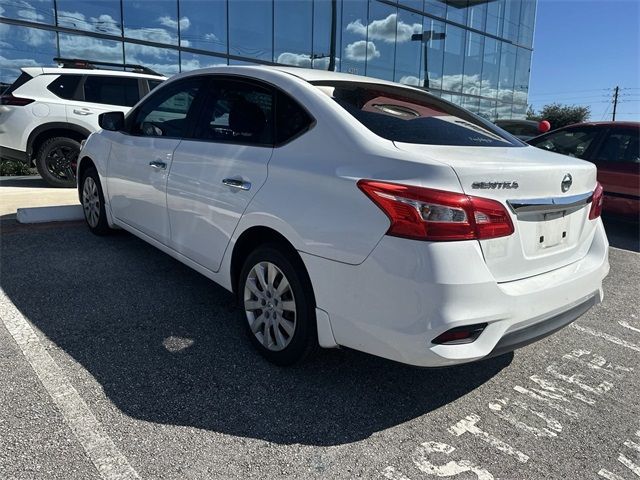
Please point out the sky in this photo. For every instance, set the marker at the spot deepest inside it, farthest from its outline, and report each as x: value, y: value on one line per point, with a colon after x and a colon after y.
x: 582, y: 50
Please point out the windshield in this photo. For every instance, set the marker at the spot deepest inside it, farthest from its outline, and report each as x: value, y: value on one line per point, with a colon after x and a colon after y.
x: 412, y: 116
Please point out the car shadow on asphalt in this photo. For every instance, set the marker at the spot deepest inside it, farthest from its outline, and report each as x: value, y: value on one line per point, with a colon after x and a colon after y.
x: 622, y: 233
x: 169, y: 346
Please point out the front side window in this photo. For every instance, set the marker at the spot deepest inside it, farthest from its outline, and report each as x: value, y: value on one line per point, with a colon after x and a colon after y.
x: 412, y: 116
x: 621, y: 146
x: 573, y: 143
x: 237, y: 112
x: 120, y: 91
x: 164, y: 113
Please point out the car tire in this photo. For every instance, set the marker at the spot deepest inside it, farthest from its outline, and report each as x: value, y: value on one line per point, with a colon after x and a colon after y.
x: 56, y: 161
x: 92, y: 200
x: 280, y: 317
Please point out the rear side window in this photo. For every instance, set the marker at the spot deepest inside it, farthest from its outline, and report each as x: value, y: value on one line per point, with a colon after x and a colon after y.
x: 65, y: 86
x: 573, y: 142
x: 21, y: 80
x: 291, y: 119
x: 121, y: 91
x: 621, y: 146
x: 237, y: 112
x: 412, y: 116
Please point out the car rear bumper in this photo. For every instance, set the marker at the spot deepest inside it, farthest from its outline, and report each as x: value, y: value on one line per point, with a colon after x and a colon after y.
x: 406, y: 293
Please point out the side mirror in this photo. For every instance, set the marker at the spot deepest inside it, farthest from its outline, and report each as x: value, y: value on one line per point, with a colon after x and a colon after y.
x: 113, y: 121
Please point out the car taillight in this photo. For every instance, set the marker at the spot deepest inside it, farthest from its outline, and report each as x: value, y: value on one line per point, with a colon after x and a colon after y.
x: 596, y: 202
x: 15, y: 101
x: 426, y: 214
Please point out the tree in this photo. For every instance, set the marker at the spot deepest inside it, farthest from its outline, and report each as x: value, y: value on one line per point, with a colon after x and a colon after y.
x: 532, y: 115
x: 560, y: 115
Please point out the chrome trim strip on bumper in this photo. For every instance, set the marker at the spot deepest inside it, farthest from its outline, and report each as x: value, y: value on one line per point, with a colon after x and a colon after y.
x: 549, y: 205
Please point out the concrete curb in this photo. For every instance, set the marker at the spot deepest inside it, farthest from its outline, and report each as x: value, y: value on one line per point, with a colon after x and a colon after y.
x: 59, y: 213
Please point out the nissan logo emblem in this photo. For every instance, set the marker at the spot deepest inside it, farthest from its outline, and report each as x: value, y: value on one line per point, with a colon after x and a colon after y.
x: 566, y: 182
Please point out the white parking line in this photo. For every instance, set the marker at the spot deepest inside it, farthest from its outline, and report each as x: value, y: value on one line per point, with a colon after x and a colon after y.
x: 110, y: 462
x: 606, y: 336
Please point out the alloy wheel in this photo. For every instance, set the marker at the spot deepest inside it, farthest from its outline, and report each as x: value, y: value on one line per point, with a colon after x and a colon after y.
x: 61, y: 161
x: 91, y: 202
x: 270, y: 306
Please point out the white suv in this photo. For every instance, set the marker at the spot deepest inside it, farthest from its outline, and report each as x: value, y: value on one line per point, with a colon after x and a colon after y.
x: 47, y: 112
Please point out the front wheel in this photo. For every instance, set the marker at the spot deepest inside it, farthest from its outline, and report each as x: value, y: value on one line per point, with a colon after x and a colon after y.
x: 278, y: 303
x: 93, y: 203
x: 56, y: 161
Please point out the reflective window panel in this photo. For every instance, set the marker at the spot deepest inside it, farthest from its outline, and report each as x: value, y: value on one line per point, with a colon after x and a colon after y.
x: 355, y: 48
x: 321, y: 28
x: 89, y: 48
x: 155, y: 21
x: 507, y: 72
x: 192, y: 61
x: 409, y: 67
x: 490, y: 68
x: 527, y: 20
x: 161, y: 60
x: 251, y: 29
x: 38, y: 11
x: 24, y: 47
x: 511, y: 20
x: 100, y: 17
x: 472, y: 73
x: 433, y: 57
x: 384, y: 31
x: 204, y: 25
x: 454, y: 49
x: 495, y: 13
x: 293, y: 37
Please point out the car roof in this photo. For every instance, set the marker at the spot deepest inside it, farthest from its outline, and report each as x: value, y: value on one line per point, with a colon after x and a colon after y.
x: 307, y: 74
x: 35, y: 71
x: 605, y: 124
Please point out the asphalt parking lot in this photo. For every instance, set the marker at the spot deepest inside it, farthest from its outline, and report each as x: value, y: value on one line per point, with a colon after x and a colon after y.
x: 117, y: 362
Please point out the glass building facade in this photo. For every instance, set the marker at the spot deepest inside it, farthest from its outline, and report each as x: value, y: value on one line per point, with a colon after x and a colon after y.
x: 476, y: 53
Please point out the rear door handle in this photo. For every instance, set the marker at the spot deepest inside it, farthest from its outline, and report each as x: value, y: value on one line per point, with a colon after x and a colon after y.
x: 158, y: 165
x: 235, y: 183
x: 81, y: 112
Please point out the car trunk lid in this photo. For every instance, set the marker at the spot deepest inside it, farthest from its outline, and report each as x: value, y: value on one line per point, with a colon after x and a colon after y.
x: 547, y: 196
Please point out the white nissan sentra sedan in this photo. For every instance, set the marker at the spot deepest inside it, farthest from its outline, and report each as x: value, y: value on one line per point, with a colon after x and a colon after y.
x: 349, y: 211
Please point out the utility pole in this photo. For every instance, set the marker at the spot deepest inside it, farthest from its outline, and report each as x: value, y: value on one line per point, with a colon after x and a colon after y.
x: 332, y: 41
x: 615, y: 102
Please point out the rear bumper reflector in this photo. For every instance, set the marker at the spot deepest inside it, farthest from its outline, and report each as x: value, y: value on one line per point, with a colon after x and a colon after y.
x: 460, y: 335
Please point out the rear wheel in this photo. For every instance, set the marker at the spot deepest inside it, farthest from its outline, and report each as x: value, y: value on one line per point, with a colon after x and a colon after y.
x: 278, y: 304
x: 56, y: 161
x: 93, y: 202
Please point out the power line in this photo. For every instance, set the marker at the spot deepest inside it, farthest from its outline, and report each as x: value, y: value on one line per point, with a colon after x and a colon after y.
x: 573, y: 91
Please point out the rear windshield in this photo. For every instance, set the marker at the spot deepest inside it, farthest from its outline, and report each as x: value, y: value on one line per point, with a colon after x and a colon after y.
x: 412, y: 116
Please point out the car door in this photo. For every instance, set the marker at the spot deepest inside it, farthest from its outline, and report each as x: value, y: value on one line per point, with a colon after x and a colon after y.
x: 618, y: 162
x: 141, y: 156
x: 216, y: 172
x: 99, y: 94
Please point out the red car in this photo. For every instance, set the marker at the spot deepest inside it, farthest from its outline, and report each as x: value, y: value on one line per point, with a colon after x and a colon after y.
x: 615, y: 149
